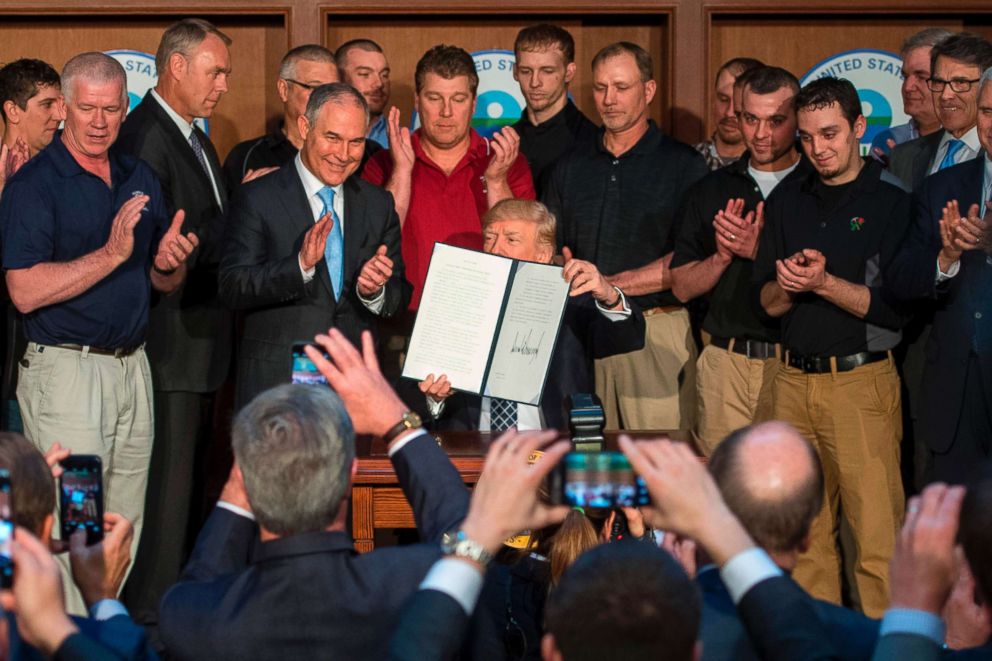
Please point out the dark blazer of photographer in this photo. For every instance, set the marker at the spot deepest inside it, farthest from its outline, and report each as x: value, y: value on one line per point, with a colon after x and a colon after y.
x: 585, y: 334
x: 260, y: 272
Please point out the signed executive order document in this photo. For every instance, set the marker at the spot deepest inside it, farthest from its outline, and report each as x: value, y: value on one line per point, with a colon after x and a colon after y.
x: 489, y: 323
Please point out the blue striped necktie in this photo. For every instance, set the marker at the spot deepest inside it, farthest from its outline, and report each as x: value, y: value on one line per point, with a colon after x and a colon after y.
x: 953, y: 147
x: 334, y: 248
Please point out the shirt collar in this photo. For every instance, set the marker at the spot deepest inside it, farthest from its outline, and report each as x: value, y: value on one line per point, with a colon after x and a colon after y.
x: 67, y: 166
x: 184, y: 127
x: 478, y: 148
x: 866, y: 180
x: 311, y: 184
x: 970, y: 139
x: 563, y: 116
x: 647, y: 144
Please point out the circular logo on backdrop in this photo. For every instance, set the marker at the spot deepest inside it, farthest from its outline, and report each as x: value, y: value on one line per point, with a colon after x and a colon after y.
x: 499, y: 102
x: 877, y: 75
x: 141, y: 77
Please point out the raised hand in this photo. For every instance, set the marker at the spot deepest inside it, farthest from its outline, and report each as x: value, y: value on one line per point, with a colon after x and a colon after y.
x: 438, y: 389
x: 11, y: 160
x: 174, y: 248
x: 99, y: 570
x: 120, y: 243
x: 505, y: 145
x: 584, y: 277
x: 969, y: 230
x: 375, y: 273
x: 400, y: 144
x: 739, y: 234
x: 314, y: 242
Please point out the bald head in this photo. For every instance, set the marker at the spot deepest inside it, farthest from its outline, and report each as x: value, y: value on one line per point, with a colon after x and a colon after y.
x: 772, y: 481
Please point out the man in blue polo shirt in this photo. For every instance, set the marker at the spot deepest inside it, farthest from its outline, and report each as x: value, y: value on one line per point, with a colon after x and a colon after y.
x: 85, y: 236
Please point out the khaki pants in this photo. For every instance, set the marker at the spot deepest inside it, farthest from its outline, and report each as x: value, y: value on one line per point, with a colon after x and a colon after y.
x: 854, y: 419
x: 732, y: 391
x: 92, y: 404
x: 653, y: 388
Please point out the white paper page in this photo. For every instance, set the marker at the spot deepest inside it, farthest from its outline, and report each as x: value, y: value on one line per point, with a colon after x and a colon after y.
x: 458, y: 315
x: 527, y: 337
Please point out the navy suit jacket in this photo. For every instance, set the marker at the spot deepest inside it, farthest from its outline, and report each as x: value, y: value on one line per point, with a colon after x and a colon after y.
x: 116, y: 638
x: 189, y: 332
x: 260, y: 272
x: 309, y: 596
x: 963, y: 306
x: 724, y: 636
x: 585, y: 335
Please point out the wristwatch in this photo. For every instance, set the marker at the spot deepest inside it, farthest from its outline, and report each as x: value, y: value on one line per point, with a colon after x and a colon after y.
x: 457, y: 544
x: 410, y: 420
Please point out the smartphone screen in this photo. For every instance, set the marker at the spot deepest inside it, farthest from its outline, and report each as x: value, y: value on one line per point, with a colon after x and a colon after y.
x: 81, y: 497
x: 6, y: 531
x: 304, y: 371
x: 597, y: 479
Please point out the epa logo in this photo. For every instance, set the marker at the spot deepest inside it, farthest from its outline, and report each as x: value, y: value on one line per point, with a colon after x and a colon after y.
x: 877, y: 75
x: 499, y: 102
x: 141, y: 77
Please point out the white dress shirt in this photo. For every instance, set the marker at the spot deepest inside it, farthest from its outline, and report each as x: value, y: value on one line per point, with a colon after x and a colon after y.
x: 312, y: 186
x: 967, y: 152
x: 187, y: 130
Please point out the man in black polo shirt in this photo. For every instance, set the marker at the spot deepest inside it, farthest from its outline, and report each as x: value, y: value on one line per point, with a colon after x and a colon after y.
x: 823, y: 267
x: 715, y: 254
x: 302, y: 69
x: 615, y: 201
x: 551, y: 124
x: 85, y: 238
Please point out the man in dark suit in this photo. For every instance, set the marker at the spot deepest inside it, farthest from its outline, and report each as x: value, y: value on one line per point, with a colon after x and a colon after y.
x: 189, y: 333
x: 310, y: 246
x: 771, y: 479
x: 303, y: 592
x: 598, y: 322
x: 943, y: 259
x: 956, y: 63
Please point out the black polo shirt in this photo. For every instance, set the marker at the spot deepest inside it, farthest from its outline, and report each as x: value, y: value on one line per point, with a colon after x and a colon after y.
x: 53, y: 210
x: 620, y: 212
x: 272, y: 150
x: 730, y: 313
x: 859, y: 229
x: 544, y: 143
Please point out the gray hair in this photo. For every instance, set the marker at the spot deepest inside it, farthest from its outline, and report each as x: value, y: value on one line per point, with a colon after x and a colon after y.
x: 308, y: 53
x: 182, y: 37
x: 294, y: 445
x: 984, y: 80
x: 927, y: 38
x: 338, y: 94
x: 93, y: 67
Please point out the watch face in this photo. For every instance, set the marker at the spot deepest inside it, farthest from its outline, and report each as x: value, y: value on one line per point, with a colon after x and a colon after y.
x: 412, y: 419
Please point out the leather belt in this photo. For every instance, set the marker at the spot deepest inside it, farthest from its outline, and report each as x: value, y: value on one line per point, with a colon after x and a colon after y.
x: 122, y: 352
x: 749, y: 348
x: 822, y: 364
x: 662, y: 309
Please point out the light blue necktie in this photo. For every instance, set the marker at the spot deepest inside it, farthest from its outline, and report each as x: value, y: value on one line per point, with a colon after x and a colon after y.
x: 953, y: 147
x: 334, y: 248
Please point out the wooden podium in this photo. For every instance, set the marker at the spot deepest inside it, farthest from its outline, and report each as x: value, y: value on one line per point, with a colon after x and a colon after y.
x: 378, y: 502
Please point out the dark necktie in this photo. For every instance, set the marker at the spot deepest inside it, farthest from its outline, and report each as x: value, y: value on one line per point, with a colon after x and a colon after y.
x: 502, y: 414
x: 194, y: 142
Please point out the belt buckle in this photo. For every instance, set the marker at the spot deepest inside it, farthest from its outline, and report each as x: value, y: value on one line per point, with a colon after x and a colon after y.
x: 747, y: 348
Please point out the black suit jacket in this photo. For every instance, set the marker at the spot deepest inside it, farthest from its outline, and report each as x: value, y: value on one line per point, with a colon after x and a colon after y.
x: 911, y: 160
x: 724, y: 637
x: 260, y: 272
x: 309, y: 596
x: 431, y: 628
x: 963, y: 307
x: 910, y: 647
x: 585, y: 335
x: 189, y: 332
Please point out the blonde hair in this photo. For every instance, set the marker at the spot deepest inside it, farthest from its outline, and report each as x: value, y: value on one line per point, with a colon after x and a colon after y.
x: 535, y: 212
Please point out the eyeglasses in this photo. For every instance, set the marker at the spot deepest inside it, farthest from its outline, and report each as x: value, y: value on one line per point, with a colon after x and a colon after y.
x: 957, y: 85
x: 305, y: 86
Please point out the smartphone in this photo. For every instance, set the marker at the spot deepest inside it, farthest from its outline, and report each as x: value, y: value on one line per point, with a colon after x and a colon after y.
x: 6, y: 531
x: 596, y: 479
x: 304, y: 371
x: 81, y: 497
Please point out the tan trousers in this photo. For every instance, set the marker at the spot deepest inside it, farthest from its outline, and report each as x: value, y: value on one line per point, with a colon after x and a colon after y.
x: 92, y: 404
x: 732, y: 391
x: 653, y: 388
x: 854, y: 419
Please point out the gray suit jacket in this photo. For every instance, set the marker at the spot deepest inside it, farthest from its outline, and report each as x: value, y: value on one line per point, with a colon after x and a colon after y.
x: 911, y: 160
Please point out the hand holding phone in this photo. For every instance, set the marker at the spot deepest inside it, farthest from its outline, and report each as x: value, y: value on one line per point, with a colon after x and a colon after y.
x: 304, y: 371
x: 597, y: 479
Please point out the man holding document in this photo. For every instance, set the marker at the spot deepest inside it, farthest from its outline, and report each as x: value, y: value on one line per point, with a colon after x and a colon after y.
x: 597, y: 321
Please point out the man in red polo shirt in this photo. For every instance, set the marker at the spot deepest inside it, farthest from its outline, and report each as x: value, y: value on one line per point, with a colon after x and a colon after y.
x: 445, y: 176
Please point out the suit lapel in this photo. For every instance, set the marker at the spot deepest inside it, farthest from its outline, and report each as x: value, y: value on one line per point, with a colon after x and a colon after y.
x: 928, y: 150
x: 299, y: 216
x: 213, y: 162
x: 355, y: 230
